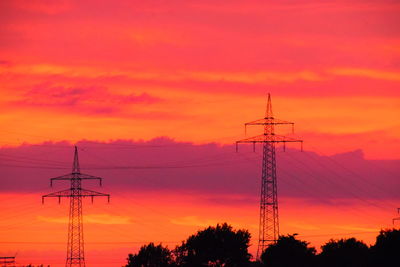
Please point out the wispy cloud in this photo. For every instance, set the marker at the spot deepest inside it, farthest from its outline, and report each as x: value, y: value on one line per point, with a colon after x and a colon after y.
x: 256, y: 77
x: 81, y: 99
x: 90, y: 218
x: 249, y: 77
x: 367, y: 73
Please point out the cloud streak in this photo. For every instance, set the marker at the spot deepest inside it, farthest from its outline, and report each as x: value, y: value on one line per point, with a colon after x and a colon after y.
x: 106, y: 219
x: 92, y: 100
x: 368, y: 73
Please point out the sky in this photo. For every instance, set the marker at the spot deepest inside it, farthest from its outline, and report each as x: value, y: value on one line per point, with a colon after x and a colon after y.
x: 155, y: 94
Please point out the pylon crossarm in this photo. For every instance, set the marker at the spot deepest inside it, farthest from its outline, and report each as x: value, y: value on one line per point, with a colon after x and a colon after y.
x: 90, y: 193
x: 7, y: 261
x: 62, y: 193
x: 59, y: 195
x: 68, y: 176
x: 81, y: 176
x: 62, y: 177
x: 82, y: 193
x: 268, y: 121
x: 268, y: 138
x: 90, y: 177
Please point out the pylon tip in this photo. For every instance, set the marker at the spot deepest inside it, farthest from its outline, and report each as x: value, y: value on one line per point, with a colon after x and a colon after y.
x: 268, y: 112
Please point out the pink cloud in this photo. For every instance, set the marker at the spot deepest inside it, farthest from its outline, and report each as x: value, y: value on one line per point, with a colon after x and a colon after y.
x: 221, y: 175
x: 87, y: 99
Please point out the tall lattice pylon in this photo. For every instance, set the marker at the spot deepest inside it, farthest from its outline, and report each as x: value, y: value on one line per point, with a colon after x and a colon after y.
x: 75, y: 248
x: 269, y: 219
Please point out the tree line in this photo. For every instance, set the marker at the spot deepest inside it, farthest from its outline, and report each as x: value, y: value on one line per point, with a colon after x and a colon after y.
x: 223, y: 246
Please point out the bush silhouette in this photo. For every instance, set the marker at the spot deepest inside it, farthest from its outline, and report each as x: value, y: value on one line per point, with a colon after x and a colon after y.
x: 386, y: 250
x: 215, y: 246
x: 289, y: 252
x: 222, y: 246
x: 151, y: 256
x: 344, y: 253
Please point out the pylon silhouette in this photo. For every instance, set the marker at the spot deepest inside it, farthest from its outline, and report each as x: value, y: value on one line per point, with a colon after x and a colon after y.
x: 75, y: 248
x: 398, y: 218
x: 7, y: 261
x: 269, y: 219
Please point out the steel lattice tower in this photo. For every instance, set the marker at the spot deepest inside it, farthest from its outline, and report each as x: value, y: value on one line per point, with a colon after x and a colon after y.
x: 269, y: 219
x: 398, y: 218
x: 75, y: 248
x: 7, y: 261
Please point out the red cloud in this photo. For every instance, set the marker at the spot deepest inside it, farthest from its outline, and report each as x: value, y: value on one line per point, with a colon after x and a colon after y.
x: 87, y: 99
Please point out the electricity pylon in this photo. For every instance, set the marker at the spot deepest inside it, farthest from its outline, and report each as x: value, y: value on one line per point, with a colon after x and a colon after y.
x: 398, y: 218
x: 7, y: 261
x: 75, y: 248
x: 269, y: 220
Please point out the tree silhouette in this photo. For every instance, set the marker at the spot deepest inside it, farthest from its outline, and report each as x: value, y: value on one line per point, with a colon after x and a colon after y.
x: 215, y: 246
x: 289, y: 252
x: 221, y: 246
x: 151, y: 256
x: 386, y: 250
x: 344, y: 253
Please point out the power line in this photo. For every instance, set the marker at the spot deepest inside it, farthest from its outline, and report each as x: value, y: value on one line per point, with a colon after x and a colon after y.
x: 310, y: 190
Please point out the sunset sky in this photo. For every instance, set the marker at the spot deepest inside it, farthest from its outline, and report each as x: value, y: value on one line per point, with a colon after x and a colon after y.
x: 155, y: 93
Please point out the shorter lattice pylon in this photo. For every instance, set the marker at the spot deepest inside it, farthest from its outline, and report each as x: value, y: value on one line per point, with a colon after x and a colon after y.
x: 7, y: 261
x: 398, y: 218
x: 75, y: 248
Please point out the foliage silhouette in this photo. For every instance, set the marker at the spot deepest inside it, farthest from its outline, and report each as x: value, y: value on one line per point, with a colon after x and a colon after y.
x: 344, y: 253
x: 289, y: 252
x: 219, y: 246
x: 151, y: 256
x: 386, y: 250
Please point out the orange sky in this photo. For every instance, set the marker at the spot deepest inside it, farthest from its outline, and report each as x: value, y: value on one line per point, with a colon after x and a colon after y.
x: 194, y: 72
x: 130, y: 221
